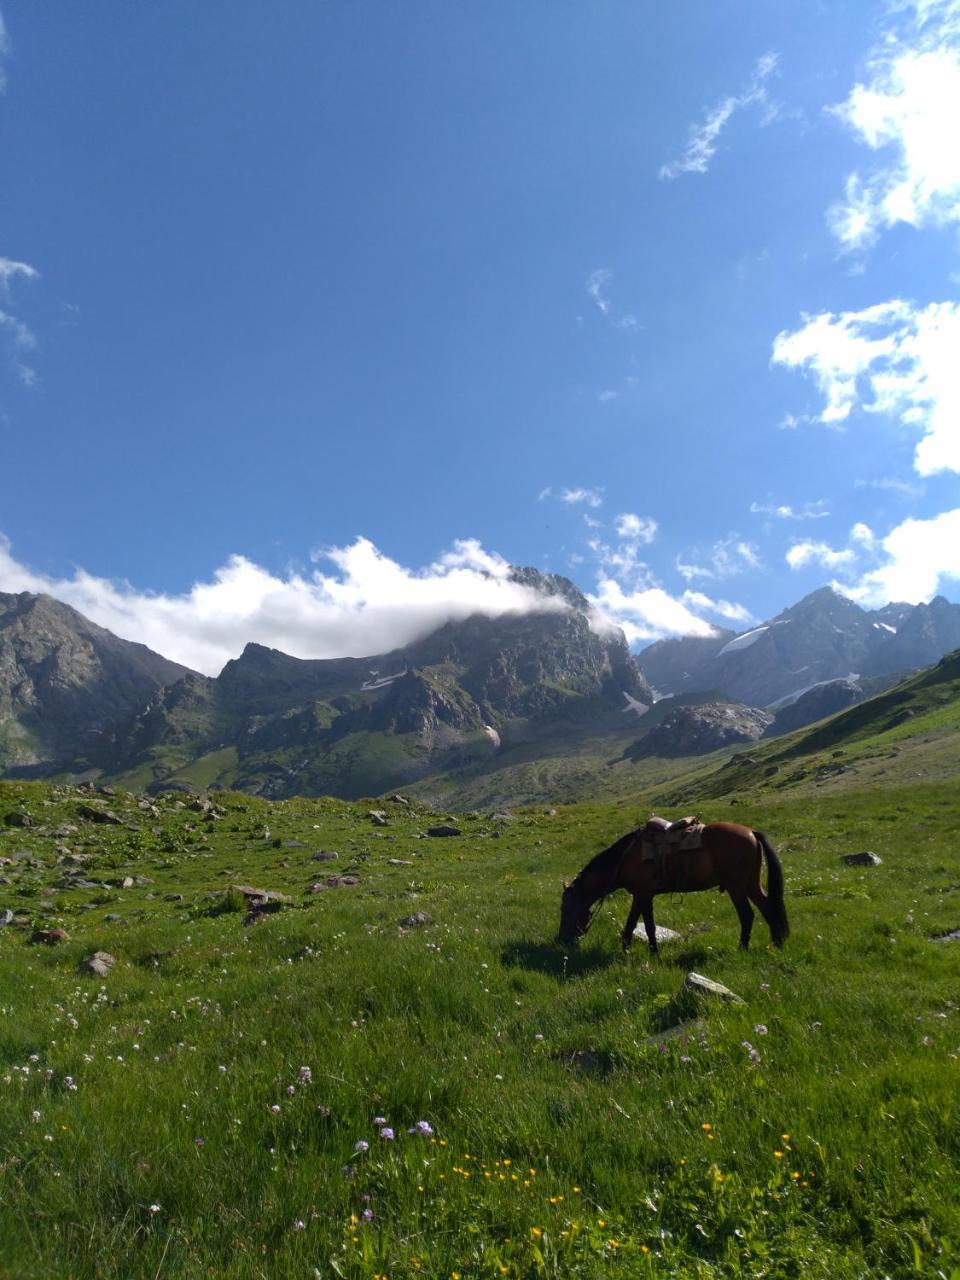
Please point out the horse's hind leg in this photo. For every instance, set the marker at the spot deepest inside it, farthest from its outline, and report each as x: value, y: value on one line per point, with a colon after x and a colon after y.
x: 745, y: 912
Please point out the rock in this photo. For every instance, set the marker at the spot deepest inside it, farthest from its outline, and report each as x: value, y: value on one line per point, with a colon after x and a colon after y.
x: 706, y: 986
x: 17, y: 818
x: 98, y: 965
x: 125, y: 883
x: 342, y: 882
x: 378, y: 818
x: 293, y: 844
x: 6, y: 917
x: 415, y: 921
x: 325, y: 855
x: 92, y: 814
x: 173, y: 897
x: 443, y: 830
x: 865, y: 859
x: 112, y: 918
x: 663, y: 933
x: 952, y: 936
x: 399, y: 800
x: 399, y: 862
x: 49, y: 937
x: 501, y: 815
x: 692, y: 731
x: 261, y: 895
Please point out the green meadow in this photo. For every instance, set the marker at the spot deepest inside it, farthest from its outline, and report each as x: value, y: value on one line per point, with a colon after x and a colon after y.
x: 236, y: 1099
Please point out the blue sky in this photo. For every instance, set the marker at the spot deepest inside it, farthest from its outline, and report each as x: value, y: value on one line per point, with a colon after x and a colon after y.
x: 312, y: 316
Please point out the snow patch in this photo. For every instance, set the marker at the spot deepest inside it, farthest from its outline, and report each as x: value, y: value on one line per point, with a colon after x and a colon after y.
x: 882, y: 626
x: 633, y: 705
x: 743, y: 642
x: 789, y: 699
x: 492, y: 734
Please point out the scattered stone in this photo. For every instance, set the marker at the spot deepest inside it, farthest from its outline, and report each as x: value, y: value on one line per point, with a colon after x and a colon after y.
x: 326, y: 855
x: 865, y: 859
x: 93, y: 814
x: 174, y: 897
x: 501, y: 815
x: 952, y: 936
x: 681, y: 1031
x: 342, y: 882
x: 398, y: 799
x: 443, y: 830
x: 98, y: 965
x: 261, y: 895
x: 293, y: 844
x: 6, y: 917
x: 49, y: 937
x: 378, y: 818
x: 586, y: 1060
x: 125, y: 883
x: 663, y: 933
x: 17, y: 818
x: 112, y: 918
x: 399, y: 862
x: 415, y: 921
x: 706, y: 986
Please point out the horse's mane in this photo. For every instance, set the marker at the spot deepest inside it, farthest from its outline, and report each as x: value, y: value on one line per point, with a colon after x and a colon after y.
x: 608, y: 859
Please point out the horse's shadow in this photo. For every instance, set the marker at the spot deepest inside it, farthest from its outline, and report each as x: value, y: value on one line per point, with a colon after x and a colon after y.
x: 550, y: 957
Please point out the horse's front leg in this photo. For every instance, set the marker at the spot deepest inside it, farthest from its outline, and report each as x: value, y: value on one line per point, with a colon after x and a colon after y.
x: 648, y: 924
x: 631, y: 924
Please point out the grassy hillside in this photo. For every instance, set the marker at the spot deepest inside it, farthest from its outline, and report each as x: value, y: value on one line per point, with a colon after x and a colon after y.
x: 203, y: 1109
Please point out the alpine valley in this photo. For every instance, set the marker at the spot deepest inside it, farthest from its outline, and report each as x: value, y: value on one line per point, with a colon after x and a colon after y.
x: 478, y: 708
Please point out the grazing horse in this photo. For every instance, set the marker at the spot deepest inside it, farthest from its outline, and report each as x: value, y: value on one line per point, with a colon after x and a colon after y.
x: 728, y: 859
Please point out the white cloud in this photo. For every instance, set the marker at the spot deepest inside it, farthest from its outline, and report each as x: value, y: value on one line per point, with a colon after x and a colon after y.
x: 903, y: 356
x: 9, y: 270
x: 369, y: 604
x: 636, y: 528
x: 586, y: 497
x: 4, y: 50
x: 920, y: 556
x: 702, y: 141
x: 727, y: 557
x: 783, y: 511
x: 597, y: 282
x: 802, y: 554
x: 647, y: 614
x: 908, y: 109
x: 23, y: 341
x: 724, y: 608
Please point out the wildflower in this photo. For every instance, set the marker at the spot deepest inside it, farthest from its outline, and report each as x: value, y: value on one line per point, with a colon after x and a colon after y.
x: 275, y: 1109
x: 706, y: 1126
x: 199, y: 1142
x: 291, y: 1090
x: 614, y: 1244
x: 361, y: 1146
x: 379, y: 1119
x: 784, y: 1137
x: 778, y: 1155
x: 536, y: 1231
x: 348, y: 1171
x: 154, y: 1208
x: 367, y: 1215
x: 601, y: 1222
x: 760, y: 1029
x: 305, y: 1075
x: 387, y: 1134
x: 576, y: 1191
x: 299, y: 1225
x: 222, y: 1069
x: 422, y: 1127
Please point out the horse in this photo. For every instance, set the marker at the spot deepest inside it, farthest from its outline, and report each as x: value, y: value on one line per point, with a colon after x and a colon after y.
x: 728, y: 859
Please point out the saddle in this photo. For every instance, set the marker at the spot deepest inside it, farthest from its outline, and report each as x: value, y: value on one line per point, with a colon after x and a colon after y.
x: 660, y: 838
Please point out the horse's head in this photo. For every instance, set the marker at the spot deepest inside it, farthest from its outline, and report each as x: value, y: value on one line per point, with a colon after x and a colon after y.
x: 574, y: 915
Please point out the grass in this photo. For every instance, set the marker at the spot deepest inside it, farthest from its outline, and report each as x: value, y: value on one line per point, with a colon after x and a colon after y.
x: 575, y: 1133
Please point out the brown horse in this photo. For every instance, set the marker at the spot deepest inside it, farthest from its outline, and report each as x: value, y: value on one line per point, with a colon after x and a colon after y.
x: 728, y: 859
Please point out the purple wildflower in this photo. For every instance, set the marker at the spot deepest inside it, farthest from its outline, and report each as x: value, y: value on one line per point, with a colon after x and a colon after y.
x: 361, y: 1146
x: 367, y: 1215
x: 387, y: 1134
x: 423, y: 1127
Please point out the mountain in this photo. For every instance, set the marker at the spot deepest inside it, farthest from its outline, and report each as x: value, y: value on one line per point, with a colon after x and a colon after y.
x: 824, y: 637
x: 281, y: 726
x: 697, y: 730
x: 65, y: 682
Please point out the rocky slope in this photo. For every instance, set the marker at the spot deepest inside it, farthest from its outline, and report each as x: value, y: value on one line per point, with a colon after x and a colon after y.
x: 65, y: 682
x: 280, y: 726
x: 824, y: 637
x: 693, y: 731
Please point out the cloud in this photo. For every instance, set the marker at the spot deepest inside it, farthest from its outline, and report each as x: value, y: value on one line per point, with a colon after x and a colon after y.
x: 636, y: 528
x: 724, y: 608
x: 802, y: 554
x: 647, y: 614
x: 22, y: 338
x: 702, y: 141
x: 4, y: 50
x: 585, y: 497
x: 597, y: 282
x: 919, y: 558
x: 727, y: 557
x: 902, y: 356
x: 809, y: 510
x: 908, y: 109
x: 368, y: 604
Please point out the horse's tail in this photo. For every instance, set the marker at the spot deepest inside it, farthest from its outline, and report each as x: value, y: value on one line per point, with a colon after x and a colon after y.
x: 779, y: 925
